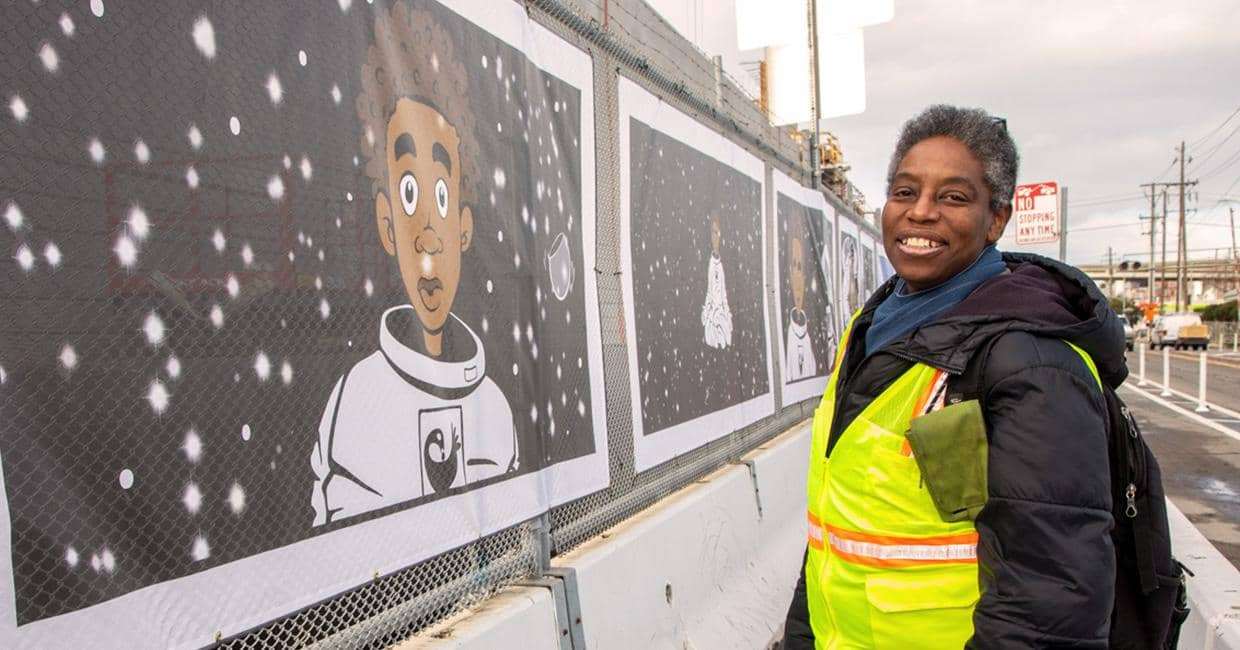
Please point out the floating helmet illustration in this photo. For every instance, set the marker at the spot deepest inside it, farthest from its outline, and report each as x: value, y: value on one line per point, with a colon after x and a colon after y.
x: 559, y: 262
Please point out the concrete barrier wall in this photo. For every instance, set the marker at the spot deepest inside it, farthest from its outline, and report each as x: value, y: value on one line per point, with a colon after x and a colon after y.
x: 714, y: 565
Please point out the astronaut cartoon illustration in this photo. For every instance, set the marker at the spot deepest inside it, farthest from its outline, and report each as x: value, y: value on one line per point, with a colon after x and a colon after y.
x: 799, y: 360
x: 716, y: 315
x: 419, y: 416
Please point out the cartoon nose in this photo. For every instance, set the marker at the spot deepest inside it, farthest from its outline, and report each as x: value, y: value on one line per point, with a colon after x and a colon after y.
x: 428, y: 242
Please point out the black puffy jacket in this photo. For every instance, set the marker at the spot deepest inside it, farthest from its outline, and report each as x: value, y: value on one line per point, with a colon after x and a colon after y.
x: 1045, y: 560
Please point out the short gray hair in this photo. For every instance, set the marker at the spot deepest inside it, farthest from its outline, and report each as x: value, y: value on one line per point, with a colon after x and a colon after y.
x: 984, y: 134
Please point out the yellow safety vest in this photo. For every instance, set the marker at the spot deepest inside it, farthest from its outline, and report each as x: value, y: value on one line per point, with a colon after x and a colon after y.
x: 883, y: 569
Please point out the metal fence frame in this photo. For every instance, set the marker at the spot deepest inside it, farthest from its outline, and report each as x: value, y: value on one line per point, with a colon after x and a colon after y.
x: 624, y: 38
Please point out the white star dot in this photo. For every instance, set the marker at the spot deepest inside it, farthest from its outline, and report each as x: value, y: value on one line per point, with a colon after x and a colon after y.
x: 301, y: 58
x: 126, y: 251
x: 500, y: 179
x: 25, y: 258
x: 218, y: 240
x: 204, y: 37
x: 262, y: 366
x: 141, y: 152
x: 246, y: 432
x: 274, y: 90
x: 66, y: 25
x: 96, y: 150
x: 336, y: 94
x: 173, y: 367
x: 286, y: 373
x: 49, y: 57
x: 68, y: 357
x: 306, y: 170
x: 108, y: 560
x: 368, y: 287
x: 195, y: 137
x: 236, y: 498
x: 158, y: 396
x: 192, y: 446
x: 71, y: 557
x: 515, y: 370
x: 18, y: 107
x: 234, y: 125
x: 275, y: 188
x: 95, y: 563
x: 191, y: 177
x: 14, y: 217
x: 153, y: 328
x: 200, y: 550
x: 247, y: 254
x: 126, y: 478
x: 325, y: 309
x: 192, y: 498
x: 51, y: 253
x: 490, y: 287
x: 96, y: 7
x: 234, y: 287
x: 139, y: 224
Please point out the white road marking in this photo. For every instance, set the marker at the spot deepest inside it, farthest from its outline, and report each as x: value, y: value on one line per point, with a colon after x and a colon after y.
x: 1231, y: 433
x: 1193, y: 399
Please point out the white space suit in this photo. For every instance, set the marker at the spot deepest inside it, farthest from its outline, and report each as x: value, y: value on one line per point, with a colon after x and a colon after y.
x: 400, y: 425
x: 799, y: 361
x: 716, y: 315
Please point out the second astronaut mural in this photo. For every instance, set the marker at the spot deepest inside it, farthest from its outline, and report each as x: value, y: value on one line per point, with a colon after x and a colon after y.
x: 695, y: 244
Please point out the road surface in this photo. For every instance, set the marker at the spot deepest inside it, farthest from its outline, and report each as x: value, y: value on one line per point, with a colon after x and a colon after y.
x: 1199, y: 452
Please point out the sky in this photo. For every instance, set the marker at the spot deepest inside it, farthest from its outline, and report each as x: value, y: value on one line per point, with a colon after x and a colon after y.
x: 1097, y: 95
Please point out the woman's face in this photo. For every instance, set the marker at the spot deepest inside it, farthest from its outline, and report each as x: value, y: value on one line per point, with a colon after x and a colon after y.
x: 937, y: 218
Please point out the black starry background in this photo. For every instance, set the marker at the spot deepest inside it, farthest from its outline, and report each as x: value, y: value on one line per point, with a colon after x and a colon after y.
x: 674, y: 190
x: 181, y: 291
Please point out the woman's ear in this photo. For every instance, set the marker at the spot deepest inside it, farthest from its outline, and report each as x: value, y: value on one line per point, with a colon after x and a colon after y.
x: 998, y: 222
x: 467, y: 228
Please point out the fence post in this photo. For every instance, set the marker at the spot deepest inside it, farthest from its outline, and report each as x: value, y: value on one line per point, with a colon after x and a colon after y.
x: 1141, y: 365
x: 1166, y: 391
x: 1201, y: 386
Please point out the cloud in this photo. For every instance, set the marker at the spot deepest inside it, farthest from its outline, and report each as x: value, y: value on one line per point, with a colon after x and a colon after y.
x: 1097, y: 96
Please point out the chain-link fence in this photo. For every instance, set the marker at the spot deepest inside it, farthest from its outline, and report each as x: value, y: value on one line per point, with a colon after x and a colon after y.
x: 195, y: 244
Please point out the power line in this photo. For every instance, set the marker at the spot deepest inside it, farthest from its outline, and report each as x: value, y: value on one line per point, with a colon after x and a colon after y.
x: 1216, y: 129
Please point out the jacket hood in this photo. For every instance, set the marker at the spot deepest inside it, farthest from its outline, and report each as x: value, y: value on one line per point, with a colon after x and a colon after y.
x: 1037, y: 295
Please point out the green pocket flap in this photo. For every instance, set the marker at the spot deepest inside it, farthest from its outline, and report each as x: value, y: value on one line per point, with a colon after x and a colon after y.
x: 950, y: 448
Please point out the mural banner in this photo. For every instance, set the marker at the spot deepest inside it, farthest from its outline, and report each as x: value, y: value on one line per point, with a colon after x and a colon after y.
x: 805, y: 239
x: 851, y: 295
x: 693, y: 241
x: 869, y: 266
x: 296, y: 295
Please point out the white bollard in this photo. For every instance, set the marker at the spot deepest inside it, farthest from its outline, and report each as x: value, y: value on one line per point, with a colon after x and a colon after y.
x: 1235, y: 338
x: 1141, y: 365
x: 1201, y: 387
x: 1166, y: 391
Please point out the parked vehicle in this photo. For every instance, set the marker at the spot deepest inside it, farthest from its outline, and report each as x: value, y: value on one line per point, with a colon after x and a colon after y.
x: 1181, y: 331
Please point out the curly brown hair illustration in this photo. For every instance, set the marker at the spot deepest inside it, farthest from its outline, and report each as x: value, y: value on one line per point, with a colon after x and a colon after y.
x: 421, y: 156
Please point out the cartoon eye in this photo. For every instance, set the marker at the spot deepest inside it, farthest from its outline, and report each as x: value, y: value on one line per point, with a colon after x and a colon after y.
x: 409, y: 193
x: 441, y: 198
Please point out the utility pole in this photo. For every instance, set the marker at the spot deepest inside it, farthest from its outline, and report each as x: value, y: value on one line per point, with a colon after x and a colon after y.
x: 1162, y: 288
x: 815, y: 154
x: 1153, y: 186
x: 1110, y: 274
x: 1182, y: 253
x: 1235, y: 261
x: 1181, y: 250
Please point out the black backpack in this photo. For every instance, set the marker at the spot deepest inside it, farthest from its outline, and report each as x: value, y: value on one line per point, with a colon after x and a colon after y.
x: 1151, y: 600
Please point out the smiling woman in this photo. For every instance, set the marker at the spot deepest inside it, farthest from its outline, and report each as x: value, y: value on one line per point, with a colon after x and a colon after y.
x: 936, y: 514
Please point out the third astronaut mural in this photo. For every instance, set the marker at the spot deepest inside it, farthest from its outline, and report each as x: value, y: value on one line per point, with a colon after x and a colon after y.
x: 310, y: 300
x: 692, y: 205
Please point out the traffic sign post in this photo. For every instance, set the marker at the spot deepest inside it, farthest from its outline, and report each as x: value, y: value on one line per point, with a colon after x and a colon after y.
x: 1037, y: 210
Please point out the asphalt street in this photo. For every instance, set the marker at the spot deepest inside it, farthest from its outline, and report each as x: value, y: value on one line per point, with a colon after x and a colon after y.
x: 1199, y: 452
